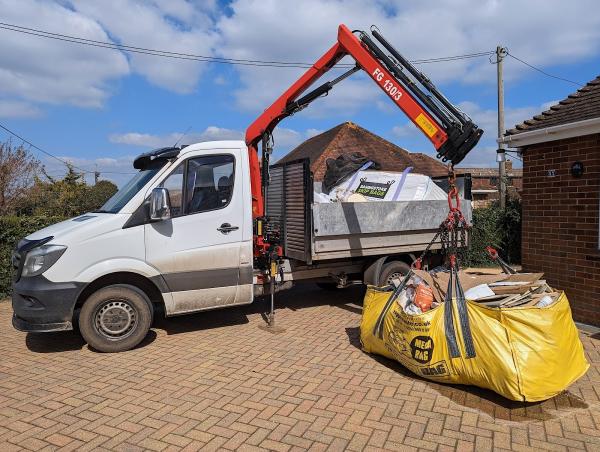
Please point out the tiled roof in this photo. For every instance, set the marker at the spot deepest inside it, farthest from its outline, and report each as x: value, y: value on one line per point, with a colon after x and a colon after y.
x: 581, y: 105
x: 349, y: 137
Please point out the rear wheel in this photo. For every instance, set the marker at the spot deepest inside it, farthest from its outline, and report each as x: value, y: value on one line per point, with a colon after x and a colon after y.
x: 393, y: 270
x: 115, y: 318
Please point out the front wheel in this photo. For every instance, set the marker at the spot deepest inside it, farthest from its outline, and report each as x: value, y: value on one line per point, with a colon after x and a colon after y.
x: 115, y: 318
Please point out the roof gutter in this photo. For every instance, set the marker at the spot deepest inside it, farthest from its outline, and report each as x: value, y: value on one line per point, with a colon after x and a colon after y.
x: 573, y: 129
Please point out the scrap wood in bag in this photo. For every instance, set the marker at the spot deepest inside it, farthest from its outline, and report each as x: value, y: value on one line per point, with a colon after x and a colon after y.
x: 526, y: 353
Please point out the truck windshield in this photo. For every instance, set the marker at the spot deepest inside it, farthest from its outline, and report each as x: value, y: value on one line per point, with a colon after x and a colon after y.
x: 127, y: 191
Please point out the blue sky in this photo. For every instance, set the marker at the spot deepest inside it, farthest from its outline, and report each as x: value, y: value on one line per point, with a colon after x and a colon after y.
x: 100, y: 108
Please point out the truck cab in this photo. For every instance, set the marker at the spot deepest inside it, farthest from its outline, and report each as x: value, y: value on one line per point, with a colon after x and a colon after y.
x: 179, y: 233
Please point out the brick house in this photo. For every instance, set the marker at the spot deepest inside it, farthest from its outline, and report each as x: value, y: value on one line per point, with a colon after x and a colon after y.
x: 561, y: 197
x: 485, y: 183
x: 349, y: 137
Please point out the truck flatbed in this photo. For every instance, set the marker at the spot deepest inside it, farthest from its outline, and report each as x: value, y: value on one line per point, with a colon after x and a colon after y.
x: 325, y: 231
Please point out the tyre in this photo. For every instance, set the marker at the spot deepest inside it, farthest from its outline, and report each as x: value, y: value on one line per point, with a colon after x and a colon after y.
x: 115, y: 318
x: 393, y: 270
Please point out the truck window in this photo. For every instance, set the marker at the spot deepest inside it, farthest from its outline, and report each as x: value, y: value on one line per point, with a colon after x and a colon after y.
x: 209, y: 183
x: 174, y: 183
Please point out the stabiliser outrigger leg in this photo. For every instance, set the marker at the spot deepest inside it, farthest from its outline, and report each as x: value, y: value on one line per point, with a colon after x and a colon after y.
x: 452, y: 132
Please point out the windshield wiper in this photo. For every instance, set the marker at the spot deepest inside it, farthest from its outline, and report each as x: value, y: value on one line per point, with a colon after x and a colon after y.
x: 102, y: 211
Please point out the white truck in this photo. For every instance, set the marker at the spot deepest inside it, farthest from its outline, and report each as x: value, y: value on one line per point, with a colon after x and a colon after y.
x: 179, y: 235
x: 207, y: 226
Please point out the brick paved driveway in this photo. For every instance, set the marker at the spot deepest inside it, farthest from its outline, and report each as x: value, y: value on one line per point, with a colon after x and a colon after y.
x: 217, y: 381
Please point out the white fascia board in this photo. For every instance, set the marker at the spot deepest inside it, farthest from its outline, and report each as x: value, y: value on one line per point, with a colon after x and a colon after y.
x: 573, y: 129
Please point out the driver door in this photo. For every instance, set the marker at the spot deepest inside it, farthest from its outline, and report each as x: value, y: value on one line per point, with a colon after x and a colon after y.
x: 200, y: 250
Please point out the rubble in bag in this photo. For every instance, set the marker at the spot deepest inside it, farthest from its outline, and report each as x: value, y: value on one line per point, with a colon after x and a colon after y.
x: 495, y: 290
x: 367, y: 185
x: 518, y: 289
x: 416, y: 296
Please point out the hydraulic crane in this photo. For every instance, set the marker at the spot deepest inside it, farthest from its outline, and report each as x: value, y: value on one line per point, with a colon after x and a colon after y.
x: 452, y: 133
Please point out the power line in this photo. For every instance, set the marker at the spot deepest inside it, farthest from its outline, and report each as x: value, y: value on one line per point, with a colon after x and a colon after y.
x: 146, y: 51
x: 453, y: 58
x: 64, y: 162
x: 542, y: 71
x: 200, y: 58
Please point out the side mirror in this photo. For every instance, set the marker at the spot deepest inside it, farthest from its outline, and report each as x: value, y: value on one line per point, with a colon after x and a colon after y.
x: 160, y: 205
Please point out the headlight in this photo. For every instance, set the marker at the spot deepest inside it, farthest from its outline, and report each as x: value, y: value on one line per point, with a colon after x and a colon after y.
x: 40, y: 259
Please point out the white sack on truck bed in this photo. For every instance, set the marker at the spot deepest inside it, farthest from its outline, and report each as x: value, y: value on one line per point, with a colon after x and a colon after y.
x: 366, y: 186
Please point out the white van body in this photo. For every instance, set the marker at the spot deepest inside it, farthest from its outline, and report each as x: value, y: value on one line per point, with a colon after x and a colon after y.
x: 195, y: 266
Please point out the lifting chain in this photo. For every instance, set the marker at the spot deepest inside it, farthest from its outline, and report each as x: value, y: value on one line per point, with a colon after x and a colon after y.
x: 453, y: 241
x: 452, y: 231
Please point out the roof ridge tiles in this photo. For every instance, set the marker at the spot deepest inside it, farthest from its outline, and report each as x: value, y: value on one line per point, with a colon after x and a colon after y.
x: 578, y: 106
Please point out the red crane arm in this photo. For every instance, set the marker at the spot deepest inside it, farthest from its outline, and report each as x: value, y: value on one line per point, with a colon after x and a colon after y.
x: 267, y: 121
x: 450, y: 131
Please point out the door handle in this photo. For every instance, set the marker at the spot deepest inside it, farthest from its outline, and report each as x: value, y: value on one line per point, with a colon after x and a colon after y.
x: 226, y: 228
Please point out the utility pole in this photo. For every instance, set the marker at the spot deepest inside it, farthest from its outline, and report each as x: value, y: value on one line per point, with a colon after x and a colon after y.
x: 500, y: 54
x: 96, y: 175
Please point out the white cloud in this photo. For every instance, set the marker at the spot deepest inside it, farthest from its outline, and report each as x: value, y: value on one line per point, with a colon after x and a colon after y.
x: 550, y: 103
x: 487, y: 119
x: 18, y: 109
x: 220, y: 80
x: 406, y: 130
x: 142, y: 139
x: 191, y: 13
x: 285, y: 139
x: 482, y: 157
x: 44, y: 70
x: 38, y: 70
x: 289, y: 31
x: 155, y: 25
x: 313, y: 132
x: 214, y: 133
x: 211, y: 133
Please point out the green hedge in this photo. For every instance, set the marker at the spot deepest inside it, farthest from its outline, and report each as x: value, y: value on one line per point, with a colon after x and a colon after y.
x: 494, y: 227
x: 13, y: 229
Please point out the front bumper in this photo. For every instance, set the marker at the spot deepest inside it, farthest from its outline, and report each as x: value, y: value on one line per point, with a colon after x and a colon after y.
x: 22, y: 325
x: 40, y: 305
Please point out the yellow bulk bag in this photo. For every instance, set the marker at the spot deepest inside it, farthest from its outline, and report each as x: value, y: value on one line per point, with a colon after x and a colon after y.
x: 522, y: 353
